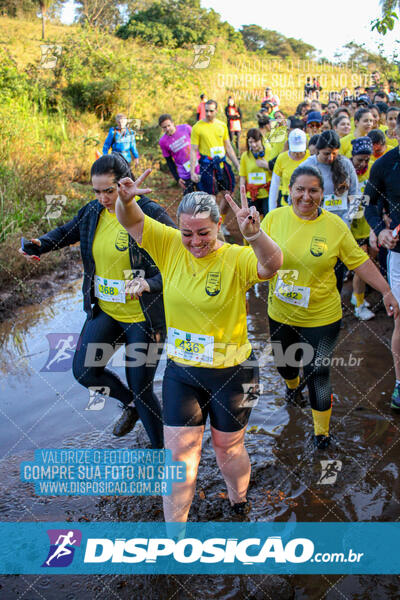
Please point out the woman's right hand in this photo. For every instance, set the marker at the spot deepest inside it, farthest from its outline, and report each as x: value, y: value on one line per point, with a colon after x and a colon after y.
x: 31, y: 257
x: 128, y: 189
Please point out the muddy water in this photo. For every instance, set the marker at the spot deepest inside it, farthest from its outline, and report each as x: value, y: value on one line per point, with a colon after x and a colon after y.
x: 40, y: 408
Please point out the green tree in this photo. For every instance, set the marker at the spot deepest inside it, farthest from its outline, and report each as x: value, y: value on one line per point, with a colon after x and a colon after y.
x: 18, y: 8
x: 301, y: 49
x: 258, y: 39
x: 388, y: 16
x: 176, y: 24
x: 98, y: 13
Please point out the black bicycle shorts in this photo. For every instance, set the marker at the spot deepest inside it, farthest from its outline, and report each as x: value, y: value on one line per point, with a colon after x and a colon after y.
x: 227, y: 395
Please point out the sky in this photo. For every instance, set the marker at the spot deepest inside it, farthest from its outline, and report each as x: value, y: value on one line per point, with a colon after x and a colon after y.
x: 330, y: 27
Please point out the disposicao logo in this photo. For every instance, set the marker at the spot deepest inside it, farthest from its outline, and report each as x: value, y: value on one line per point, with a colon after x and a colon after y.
x: 61, y: 551
x: 190, y: 550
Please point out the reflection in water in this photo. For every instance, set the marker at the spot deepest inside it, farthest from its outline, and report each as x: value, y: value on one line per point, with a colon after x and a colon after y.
x: 48, y: 410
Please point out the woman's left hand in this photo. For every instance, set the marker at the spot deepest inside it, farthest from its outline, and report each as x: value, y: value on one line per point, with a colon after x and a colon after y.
x: 128, y: 189
x: 390, y: 302
x: 248, y: 218
x: 135, y: 287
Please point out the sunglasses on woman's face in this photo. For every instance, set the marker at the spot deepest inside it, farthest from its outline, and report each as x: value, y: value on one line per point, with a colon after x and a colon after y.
x: 315, y: 124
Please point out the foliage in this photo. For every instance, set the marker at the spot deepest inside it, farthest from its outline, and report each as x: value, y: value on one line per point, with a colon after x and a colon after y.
x: 18, y: 8
x: 275, y: 44
x: 177, y: 24
x: 98, y: 13
x: 388, y: 17
x: 368, y: 60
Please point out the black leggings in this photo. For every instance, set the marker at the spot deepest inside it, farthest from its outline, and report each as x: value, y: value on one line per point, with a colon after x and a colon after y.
x: 340, y: 273
x: 104, y: 333
x: 235, y: 134
x: 316, y: 355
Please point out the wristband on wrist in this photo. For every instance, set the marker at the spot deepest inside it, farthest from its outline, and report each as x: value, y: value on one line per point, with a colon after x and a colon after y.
x: 253, y: 237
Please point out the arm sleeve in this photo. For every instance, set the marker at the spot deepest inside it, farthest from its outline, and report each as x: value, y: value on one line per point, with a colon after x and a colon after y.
x: 273, y: 192
x: 155, y: 283
x: 374, y: 191
x: 133, y: 148
x: 62, y: 236
x: 159, y: 241
x: 194, y: 136
x: 172, y: 167
x: 109, y: 140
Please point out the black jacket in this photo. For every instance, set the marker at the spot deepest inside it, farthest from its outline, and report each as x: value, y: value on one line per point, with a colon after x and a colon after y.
x: 383, y: 191
x: 82, y: 228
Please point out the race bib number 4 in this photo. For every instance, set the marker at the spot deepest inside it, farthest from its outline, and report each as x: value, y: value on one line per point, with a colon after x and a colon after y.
x: 292, y: 294
x: 257, y: 178
x: 110, y: 290
x: 190, y: 346
x: 335, y: 203
x: 217, y: 151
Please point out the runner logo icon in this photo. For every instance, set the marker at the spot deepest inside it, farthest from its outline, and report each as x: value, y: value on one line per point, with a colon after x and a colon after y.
x: 61, y: 352
x: 61, y: 551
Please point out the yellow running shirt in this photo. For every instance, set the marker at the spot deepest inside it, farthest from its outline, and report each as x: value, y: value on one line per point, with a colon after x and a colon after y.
x: 253, y: 173
x: 390, y: 142
x: 204, y: 298
x: 284, y: 167
x: 111, y: 256
x: 346, y: 146
x: 210, y: 137
x: 304, y: 292
x: 277, y: 138
x: 359, y: 225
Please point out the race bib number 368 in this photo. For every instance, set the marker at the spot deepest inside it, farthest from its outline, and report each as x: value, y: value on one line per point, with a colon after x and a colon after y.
x: 110, y: 290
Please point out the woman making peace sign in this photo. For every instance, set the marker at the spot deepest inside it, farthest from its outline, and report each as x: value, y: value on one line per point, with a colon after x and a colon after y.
x: 208, y: 371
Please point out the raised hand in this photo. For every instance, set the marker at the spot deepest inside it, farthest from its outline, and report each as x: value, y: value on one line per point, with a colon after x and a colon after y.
x: 248, y: 218
x: 128, y: 189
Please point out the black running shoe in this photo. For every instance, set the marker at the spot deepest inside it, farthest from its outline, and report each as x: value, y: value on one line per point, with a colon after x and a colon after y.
x: 321, y: 442
x: 126, y: 422
x: 295, y: 396
x: 241, y: 508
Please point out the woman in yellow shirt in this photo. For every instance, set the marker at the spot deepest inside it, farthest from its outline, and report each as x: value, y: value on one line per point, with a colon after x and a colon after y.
x: 207, y: 374
x: 363, y: 122
x: 284, y: 166
x: 391, y: 117
x: 304, y: 307
x: 254, y: 171
x: 342, y: 125
x: 122, y: 294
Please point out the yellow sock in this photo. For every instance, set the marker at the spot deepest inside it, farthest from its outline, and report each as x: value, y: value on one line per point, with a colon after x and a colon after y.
x: 321, y: 421
x: 293, y: 383
x: 359, y: 299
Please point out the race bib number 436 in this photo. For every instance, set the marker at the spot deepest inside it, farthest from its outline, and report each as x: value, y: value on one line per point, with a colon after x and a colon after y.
x: 190, y: 346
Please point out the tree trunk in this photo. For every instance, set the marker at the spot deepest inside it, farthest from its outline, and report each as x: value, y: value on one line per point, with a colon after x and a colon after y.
x: 43, y: 10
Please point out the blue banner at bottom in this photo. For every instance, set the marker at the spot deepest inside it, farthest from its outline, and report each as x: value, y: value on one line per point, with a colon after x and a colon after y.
x: 201, y: 548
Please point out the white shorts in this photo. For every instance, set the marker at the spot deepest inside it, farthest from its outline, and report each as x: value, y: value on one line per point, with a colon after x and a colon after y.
x: 393, y: 271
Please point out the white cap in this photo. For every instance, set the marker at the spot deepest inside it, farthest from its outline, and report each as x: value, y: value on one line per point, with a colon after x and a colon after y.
x: 297, y: 141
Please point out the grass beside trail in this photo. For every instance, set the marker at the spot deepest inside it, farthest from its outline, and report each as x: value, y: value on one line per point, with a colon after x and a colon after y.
x: 52, y: 121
